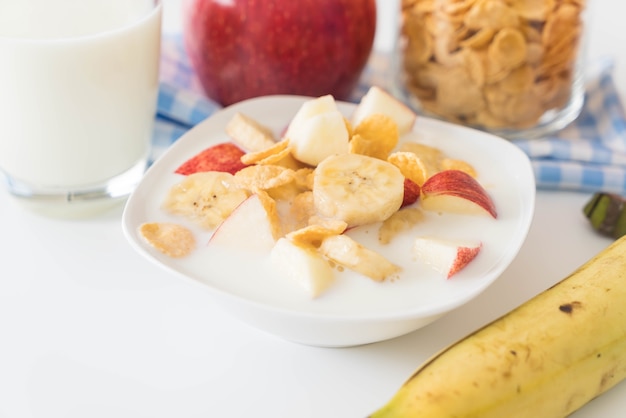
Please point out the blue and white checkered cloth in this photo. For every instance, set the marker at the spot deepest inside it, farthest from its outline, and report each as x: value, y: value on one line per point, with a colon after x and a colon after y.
x: 589, y: 155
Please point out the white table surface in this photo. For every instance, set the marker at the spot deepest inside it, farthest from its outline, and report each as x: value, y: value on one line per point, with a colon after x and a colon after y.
x: 90, y: 329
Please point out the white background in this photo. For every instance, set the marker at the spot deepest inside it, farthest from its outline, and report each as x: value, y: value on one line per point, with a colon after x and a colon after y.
x: 90, y: 329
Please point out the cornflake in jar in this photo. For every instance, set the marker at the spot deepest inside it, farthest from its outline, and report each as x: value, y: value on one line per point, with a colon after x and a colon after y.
x: 513, y: 67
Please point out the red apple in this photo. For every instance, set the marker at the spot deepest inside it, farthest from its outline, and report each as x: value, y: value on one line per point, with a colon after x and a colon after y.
x: 247, y: 48
x: 457, y: 192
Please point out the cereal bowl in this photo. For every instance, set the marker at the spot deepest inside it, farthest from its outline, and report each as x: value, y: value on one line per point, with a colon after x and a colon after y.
x: 355, y: 310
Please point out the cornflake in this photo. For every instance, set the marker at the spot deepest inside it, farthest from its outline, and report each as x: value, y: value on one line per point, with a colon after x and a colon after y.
x: 411, y: 166
x: 264, y: 177
x: 264, y: 154
x: 313, y: 235
x: 400, y: 221
x: 170, y: 239
x: 375, y: 136
x: 302, y: 208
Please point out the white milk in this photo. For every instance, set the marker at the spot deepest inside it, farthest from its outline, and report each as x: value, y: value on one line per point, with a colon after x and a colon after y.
x: 78, y: 86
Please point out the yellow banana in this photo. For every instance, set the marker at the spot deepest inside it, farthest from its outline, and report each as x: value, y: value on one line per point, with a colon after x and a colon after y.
x: 546, y: 358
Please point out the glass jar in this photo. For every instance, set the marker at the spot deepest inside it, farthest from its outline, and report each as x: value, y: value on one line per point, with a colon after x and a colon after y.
x: 511, y: 67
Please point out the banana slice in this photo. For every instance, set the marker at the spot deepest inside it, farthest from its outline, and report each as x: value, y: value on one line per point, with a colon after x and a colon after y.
x: 348, y: 253
x: 357, y: 189
x: 205, y: 198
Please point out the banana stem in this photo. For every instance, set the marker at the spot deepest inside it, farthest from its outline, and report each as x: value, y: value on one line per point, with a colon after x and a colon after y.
x: 607, y: 214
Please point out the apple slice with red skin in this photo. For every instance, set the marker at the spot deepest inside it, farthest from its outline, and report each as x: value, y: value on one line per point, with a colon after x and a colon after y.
x: 445, y: 256
x: 457, y: 192
x: 248, y: 228
x: 224, y: 157
x: 411, y: 192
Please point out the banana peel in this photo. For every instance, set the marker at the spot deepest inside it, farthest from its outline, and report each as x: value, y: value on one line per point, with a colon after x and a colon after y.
x: 546, y: 358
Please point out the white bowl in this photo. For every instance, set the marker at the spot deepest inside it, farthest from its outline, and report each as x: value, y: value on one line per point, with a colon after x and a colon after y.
x: 355, y: 310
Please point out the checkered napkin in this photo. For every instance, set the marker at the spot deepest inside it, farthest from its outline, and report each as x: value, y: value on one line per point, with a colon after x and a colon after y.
x: 589, y: 155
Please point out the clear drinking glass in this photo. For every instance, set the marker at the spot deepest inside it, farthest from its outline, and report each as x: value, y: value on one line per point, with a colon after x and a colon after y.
x: 78, y: 83
x: 512, y: 67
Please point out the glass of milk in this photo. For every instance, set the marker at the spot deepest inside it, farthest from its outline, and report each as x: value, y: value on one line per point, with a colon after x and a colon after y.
x: 78, y: 91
